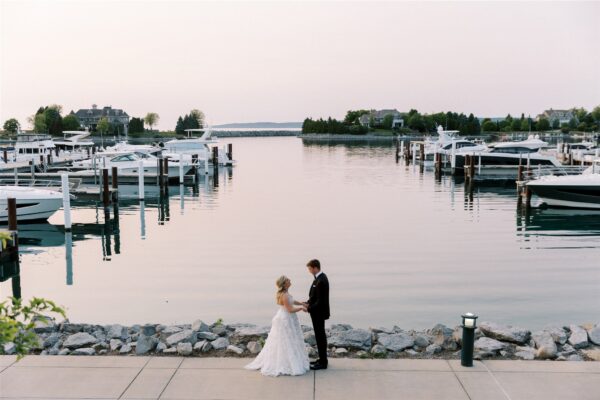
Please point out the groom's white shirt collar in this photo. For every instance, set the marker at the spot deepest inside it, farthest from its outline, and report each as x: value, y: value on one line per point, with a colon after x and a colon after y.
x: 317, y: 275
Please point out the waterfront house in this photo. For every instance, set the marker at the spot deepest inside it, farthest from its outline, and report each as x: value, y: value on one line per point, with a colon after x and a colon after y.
x: 89, y: 118
x: 563, y: 116
x: 376, y: 117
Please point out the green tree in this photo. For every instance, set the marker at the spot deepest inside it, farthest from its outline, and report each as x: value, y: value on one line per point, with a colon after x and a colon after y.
x: 198, y: 116
x: 515, y: 125
x: 18, y: 320
x: 388, y: 120
x: 103, y: 126
x: 71, y: 123
x: 555, y: 123
x: 525, y: 125
x: 352, y: 116
x: 596, y: 113
x: 543, y: 125
x: 39, y: 123
x: 151, y: 119
x: 572, y: 123
x: 53, y: 119
x: 489, y: 126
x: 12, y: 125
x: 564, y: 128
x: 136, y: 125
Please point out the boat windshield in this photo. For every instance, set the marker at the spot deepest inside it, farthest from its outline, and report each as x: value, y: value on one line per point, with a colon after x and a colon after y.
x: 125, y: 158
x: 513, y: 150
x: 459, y: 145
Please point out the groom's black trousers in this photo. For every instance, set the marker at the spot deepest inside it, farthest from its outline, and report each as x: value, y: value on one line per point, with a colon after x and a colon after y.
x: 321, y: 337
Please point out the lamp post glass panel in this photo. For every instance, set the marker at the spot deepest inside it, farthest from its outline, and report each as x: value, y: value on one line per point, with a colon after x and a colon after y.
x: 469, y: 323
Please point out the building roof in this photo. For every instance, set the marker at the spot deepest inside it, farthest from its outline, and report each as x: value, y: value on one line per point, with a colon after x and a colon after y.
x: 107, y: 111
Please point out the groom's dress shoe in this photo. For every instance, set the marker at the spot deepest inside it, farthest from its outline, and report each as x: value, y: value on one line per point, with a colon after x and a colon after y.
x: 317, y: 366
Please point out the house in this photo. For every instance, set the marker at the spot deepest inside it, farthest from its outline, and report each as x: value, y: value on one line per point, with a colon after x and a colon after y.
x: 563, y: 116
x: 89, y: 118
x: 377, y: 117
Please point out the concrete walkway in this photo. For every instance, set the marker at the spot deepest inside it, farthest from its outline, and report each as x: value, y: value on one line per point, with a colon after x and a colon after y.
x: 73, y: 377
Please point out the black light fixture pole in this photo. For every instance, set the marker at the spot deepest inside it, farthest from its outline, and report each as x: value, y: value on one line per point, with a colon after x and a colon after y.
x: 469, y: 323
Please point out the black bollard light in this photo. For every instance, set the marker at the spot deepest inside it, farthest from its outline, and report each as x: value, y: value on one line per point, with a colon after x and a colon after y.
x: 469, y: 323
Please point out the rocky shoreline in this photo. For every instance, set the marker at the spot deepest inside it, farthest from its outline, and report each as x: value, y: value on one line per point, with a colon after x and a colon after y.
x: 493, y: 341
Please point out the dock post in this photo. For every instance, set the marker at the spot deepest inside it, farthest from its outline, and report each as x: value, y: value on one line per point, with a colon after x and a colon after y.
x: 181, y: 170
x: 32, y: 167
x: 397, y: 150
x: 453, y: 157
x: 115, y: 184
x: 471, y: 167
x: 16, y: 176
x: 401, y: 147
x: 528, y: 194
x: 466, y: 166
x: 105, y: 190
x: 206, y: 167
x: 230, y: 151
x: 166, y: 171
x: 215, y: 156
x: 195, y: 163
x: 414, y: 153
x: 12, y: 226
x: 5, y: 156
x: 141, y: 180
x: 422, y: 152
x: 49, y: 159
x: 64, y: 177
x: 159, y: 172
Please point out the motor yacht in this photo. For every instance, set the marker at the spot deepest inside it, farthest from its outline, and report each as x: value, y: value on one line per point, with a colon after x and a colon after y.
x: 33, y: 204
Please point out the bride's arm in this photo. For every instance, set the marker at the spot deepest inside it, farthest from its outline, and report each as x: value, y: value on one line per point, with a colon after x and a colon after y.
x: 289, y: 306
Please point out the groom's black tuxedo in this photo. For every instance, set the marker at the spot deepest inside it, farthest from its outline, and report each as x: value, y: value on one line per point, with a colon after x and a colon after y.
x: 318, y: 307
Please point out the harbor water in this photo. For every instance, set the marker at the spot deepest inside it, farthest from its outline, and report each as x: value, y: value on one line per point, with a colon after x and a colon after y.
x: 399, y: 247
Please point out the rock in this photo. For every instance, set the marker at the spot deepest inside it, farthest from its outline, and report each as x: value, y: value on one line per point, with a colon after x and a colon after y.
x: 254, y: 347
x: 235, y: 349
x: 219, y: 330
x: 80, y: 339
x: 71, y: 328
x: 184, y: 348
x: 422, y: 341
x: 169, y: 330
x: 442, y: 336
x: 207, y: 336
x: 64, y: 352
x: 160, y: 347
x: 362, y: 354
x: 309, y: 337
x: 574, y: 357
x: 351, y: 338
x: 341, y: 351
x: 126, y: 348
x: 433, y: 349
x: 592, y: 354
x: 546, y: 347
x: 341, y: 327
x: 489, y: 345
x: 396, y: 341
x: 252, y: 333
x: 220, y: 343
x: 53, y: 351
x: 51, y: 340
x: 100, y: 335
x: 578, y: 338
x: 506, y: 333
x: 200, y: 326
x: 525, y: 353
x: 411, y: 352
x: 102, y: 352
x: 115, y: 344
x: 457, y: 335
x: 558, y: 334
x: 206, y: 347
x: 148, y: 330
x: 145, y: 344
x: 382, y: 330
x: 83, y: 351
x: 170, y: 350
x: 378, y: 350
x: 47, y: 326
x: 10, y: 348
x: 100, y: 346
x: 185, y: 336
x: 116, y: 331
x: 567, y: 350
x: 310, y: 351
x: 198, y: 346
x: 594, y: 335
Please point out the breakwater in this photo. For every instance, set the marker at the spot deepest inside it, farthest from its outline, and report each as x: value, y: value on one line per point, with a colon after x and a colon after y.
x: 573, y: 342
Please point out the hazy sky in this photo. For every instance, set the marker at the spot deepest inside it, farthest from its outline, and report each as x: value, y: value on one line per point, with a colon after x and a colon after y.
x: 250, y: 61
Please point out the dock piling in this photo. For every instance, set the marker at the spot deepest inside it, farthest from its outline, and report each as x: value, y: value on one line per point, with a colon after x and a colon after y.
x: 141, y: 180
x: 230, y: 151
x: 115, y: 184
x: 181, y: 170
x: 66, y: 200
x: 105, y: 190
x: 12, y: 226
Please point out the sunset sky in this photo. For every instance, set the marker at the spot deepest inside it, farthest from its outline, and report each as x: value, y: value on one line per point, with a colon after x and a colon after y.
x: 283, y: 61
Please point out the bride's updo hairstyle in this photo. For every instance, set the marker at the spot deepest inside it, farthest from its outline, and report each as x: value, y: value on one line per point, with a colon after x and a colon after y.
x: 280, y: 283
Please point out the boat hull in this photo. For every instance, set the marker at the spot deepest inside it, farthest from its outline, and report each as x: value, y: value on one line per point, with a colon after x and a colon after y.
x: 30, y: 210
x: 568, y: 196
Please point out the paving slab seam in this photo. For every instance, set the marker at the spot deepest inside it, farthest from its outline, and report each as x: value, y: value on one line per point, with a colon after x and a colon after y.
x: 170, y: 379
x: 496, y: 380
x: 314, y: 384
x: 459, y: 381
x: 135, y: 377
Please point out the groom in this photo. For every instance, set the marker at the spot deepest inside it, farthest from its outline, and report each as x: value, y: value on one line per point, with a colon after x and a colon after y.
x: 318, y: 308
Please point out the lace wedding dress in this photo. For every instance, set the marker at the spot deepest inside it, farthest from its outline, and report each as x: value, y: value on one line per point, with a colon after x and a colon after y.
x: 284, y: 352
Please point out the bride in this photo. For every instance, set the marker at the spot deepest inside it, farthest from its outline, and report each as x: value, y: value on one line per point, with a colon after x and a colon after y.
x: 284, y: 352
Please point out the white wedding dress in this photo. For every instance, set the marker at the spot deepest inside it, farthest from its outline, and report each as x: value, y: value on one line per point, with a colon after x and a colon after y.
x: 284, y: 352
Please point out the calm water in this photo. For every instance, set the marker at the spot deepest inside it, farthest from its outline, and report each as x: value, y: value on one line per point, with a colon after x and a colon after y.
x: 399, y: 247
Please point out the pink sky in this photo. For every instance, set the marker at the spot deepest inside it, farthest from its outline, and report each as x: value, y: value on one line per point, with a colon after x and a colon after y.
x: 248, y: 61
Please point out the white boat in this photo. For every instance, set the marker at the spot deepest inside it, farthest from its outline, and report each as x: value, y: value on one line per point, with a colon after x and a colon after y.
x: 570, y: 191
x: 127, y: 163
x: 124, y: 147
x: 74, y: 141
x: 33, y: 204
x: 195, y: 146
x: 447, y: 142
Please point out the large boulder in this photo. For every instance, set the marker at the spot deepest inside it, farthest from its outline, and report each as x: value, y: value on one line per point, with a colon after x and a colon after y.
x: 116, y: 331
x: 207, y: 336
x: 545, y: 345
x: 505, y: 333
x: 145, y: 344
x: 47, y: 326
x: 10, y: 348
x: 79, y: 339
x: 558, y: 334
x: 489, y: 345
x: 396, y: 341
x: 68, y: 327
x: 51, y: 340
x: 351, y: 338
x: 185, y: 336
x: 148, y: 330
x: 422, y: 340
x: 254, y: 347
x: 245, y: 334
x: 578, y: 338
x: 83, y: 351
x: 220, y: 344
x: 200, y: 326
x: 525, y: 353
x: 309, y: 337
x: 184, y: 348
x: 592, y: 354
x: 443, y: 336
x: 594, y: 335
